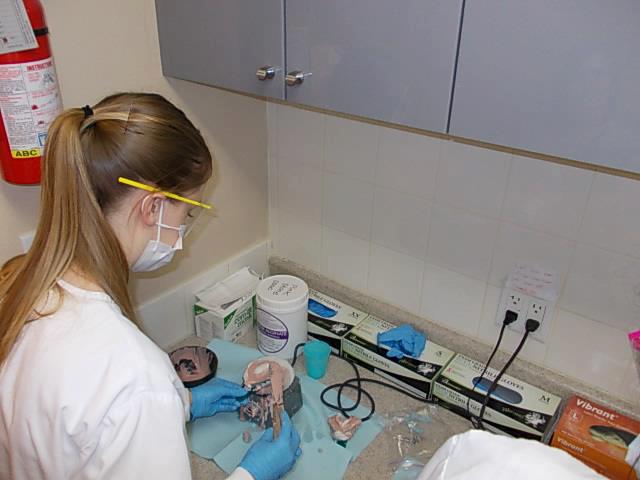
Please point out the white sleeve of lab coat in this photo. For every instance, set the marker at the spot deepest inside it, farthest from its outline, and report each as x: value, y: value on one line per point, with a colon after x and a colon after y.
x: 142, y: 436
x: 478, y: 455
x: 240, y: 474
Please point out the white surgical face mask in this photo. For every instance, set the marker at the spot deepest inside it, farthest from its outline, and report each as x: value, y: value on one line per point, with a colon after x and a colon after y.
x: 157, y: 254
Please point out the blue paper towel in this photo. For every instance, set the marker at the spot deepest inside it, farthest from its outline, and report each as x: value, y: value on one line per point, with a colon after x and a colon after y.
x: 220, y: 437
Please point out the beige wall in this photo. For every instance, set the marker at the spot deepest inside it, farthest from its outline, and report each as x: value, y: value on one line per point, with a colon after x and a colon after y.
x: 103, y: 47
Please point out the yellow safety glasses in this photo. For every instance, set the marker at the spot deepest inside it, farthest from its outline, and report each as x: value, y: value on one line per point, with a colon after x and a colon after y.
x: 148, y: 188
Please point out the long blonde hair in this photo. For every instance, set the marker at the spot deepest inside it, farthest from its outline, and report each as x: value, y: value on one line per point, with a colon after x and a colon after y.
x: 139, y: 136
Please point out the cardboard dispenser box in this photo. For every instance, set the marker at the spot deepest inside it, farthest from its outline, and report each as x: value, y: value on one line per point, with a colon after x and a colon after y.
x: 227, y: 309
x: 515, y: 408
x: 330, y: 320
x: 413, y: 374
x: 597, y: 436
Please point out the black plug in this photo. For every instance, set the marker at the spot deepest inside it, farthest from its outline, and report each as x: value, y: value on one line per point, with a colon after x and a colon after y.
x: 531, y: 325
x: 509, y: 317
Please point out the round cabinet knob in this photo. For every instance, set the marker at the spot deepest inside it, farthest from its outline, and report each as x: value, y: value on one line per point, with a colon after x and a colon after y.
x: 295, y: 78
x: 265, y: 73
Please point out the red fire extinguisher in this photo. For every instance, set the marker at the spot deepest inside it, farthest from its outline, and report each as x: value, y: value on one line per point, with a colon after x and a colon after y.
x: 29, y: 101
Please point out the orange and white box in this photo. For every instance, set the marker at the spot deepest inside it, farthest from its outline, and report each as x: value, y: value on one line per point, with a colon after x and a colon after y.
x: 598, y: 436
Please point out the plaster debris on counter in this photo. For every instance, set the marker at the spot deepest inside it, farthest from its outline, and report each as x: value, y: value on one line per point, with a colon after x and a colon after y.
x: 342, y: 429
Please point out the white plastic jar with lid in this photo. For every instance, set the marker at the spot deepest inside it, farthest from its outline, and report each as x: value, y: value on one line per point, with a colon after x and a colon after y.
x: 282, y: 302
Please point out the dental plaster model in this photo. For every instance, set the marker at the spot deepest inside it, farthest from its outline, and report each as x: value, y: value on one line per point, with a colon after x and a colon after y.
x: 342, y: 429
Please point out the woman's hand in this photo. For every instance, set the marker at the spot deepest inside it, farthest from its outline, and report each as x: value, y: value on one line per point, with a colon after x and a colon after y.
x: 270, y: 459
x: 216, y: 396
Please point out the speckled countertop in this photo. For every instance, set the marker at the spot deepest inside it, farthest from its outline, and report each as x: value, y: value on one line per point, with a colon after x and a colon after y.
x: 374, y: 461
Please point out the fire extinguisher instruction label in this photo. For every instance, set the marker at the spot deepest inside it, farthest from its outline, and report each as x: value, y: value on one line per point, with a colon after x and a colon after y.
x: 16, y: 32
x: 29, y: 100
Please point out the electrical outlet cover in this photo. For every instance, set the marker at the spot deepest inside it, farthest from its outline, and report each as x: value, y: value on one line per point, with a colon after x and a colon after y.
x: 526, y: 307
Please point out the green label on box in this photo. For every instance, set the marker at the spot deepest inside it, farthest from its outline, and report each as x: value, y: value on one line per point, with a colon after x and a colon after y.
x: 228, y: 318
x: 197, y: 310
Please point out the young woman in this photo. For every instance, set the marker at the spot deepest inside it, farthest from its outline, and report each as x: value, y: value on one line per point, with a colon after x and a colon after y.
x: 84, y: 393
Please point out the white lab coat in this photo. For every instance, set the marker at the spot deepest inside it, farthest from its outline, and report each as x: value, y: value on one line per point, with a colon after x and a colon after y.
x: 85, y: 395
x: 478, y: 455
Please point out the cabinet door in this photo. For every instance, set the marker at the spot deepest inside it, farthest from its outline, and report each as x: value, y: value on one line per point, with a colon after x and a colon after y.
x: 223, y: 42
x: 387, y: 60
x: 561, y: 77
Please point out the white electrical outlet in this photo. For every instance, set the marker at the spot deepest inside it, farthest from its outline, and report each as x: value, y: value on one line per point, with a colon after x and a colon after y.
x: 536, y: 310
x: 527, y: 307
x: 531, y: 292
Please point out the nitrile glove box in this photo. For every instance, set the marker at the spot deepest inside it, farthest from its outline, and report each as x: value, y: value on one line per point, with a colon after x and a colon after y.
x: 330, y: 320
x: 412, y: 374
x: 516, y: 408
x: 597, y: 436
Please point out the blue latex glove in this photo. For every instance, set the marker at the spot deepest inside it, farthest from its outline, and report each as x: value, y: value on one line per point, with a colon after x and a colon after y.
x: 216, y: 396
x: 270, y: 459
x: 403, y: 340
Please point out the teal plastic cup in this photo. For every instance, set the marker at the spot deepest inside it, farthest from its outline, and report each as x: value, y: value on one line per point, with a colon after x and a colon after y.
x: 316, y: 356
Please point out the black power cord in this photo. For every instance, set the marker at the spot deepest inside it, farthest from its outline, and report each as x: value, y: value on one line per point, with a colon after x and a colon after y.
x: 509, y: 318
x: 354, y: 383
x: 530, y: 327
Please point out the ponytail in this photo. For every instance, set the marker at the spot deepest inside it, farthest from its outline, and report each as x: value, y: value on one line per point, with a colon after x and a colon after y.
x: 84, y: 155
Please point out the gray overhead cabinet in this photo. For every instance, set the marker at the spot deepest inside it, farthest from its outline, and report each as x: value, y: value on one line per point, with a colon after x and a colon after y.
x: 561, y: 77
x: 236, y: 44
x: 392, y: 61
x: 388, y: 60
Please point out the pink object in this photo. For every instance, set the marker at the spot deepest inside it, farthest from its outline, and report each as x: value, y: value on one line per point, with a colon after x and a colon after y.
x: 342, y: 428
x: 194, y: 365
x: 634, y: 339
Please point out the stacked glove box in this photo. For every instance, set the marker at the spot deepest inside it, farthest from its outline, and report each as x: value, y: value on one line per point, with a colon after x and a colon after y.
x: 330, y: 320
x: 412, y: 374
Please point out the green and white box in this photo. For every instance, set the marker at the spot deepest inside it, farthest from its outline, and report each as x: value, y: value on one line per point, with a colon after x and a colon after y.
x: 227, y: 309
x: 413, y: 374
x: 330, y: 320
x: 515, y: 407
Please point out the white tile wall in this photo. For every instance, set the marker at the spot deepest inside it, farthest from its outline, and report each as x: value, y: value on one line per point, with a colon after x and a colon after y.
x: 472, y: 178
x: 545, y: 196
x: 631, y: 385
x: 351, y: 148
x: 588, y: 350
x: 346, y: 258
x: 612, y: 217
x: 348, y: 205
x: 395, y: 277
x: 300, y: 189
x: 300, y: 240
x: 605, y: 286
x: 401, y: 222
x: 462, y: 241
x: 452, y: 299
x: 435, y: 226
x: 300, y: 135
x: 402, y: 152
x: 519, y: 244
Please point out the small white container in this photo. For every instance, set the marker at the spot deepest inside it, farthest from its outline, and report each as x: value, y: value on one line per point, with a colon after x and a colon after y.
x: 282, y: 315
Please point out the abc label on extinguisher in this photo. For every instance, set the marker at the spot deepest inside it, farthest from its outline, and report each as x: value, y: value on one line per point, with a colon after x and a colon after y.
x: 30, y: 100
